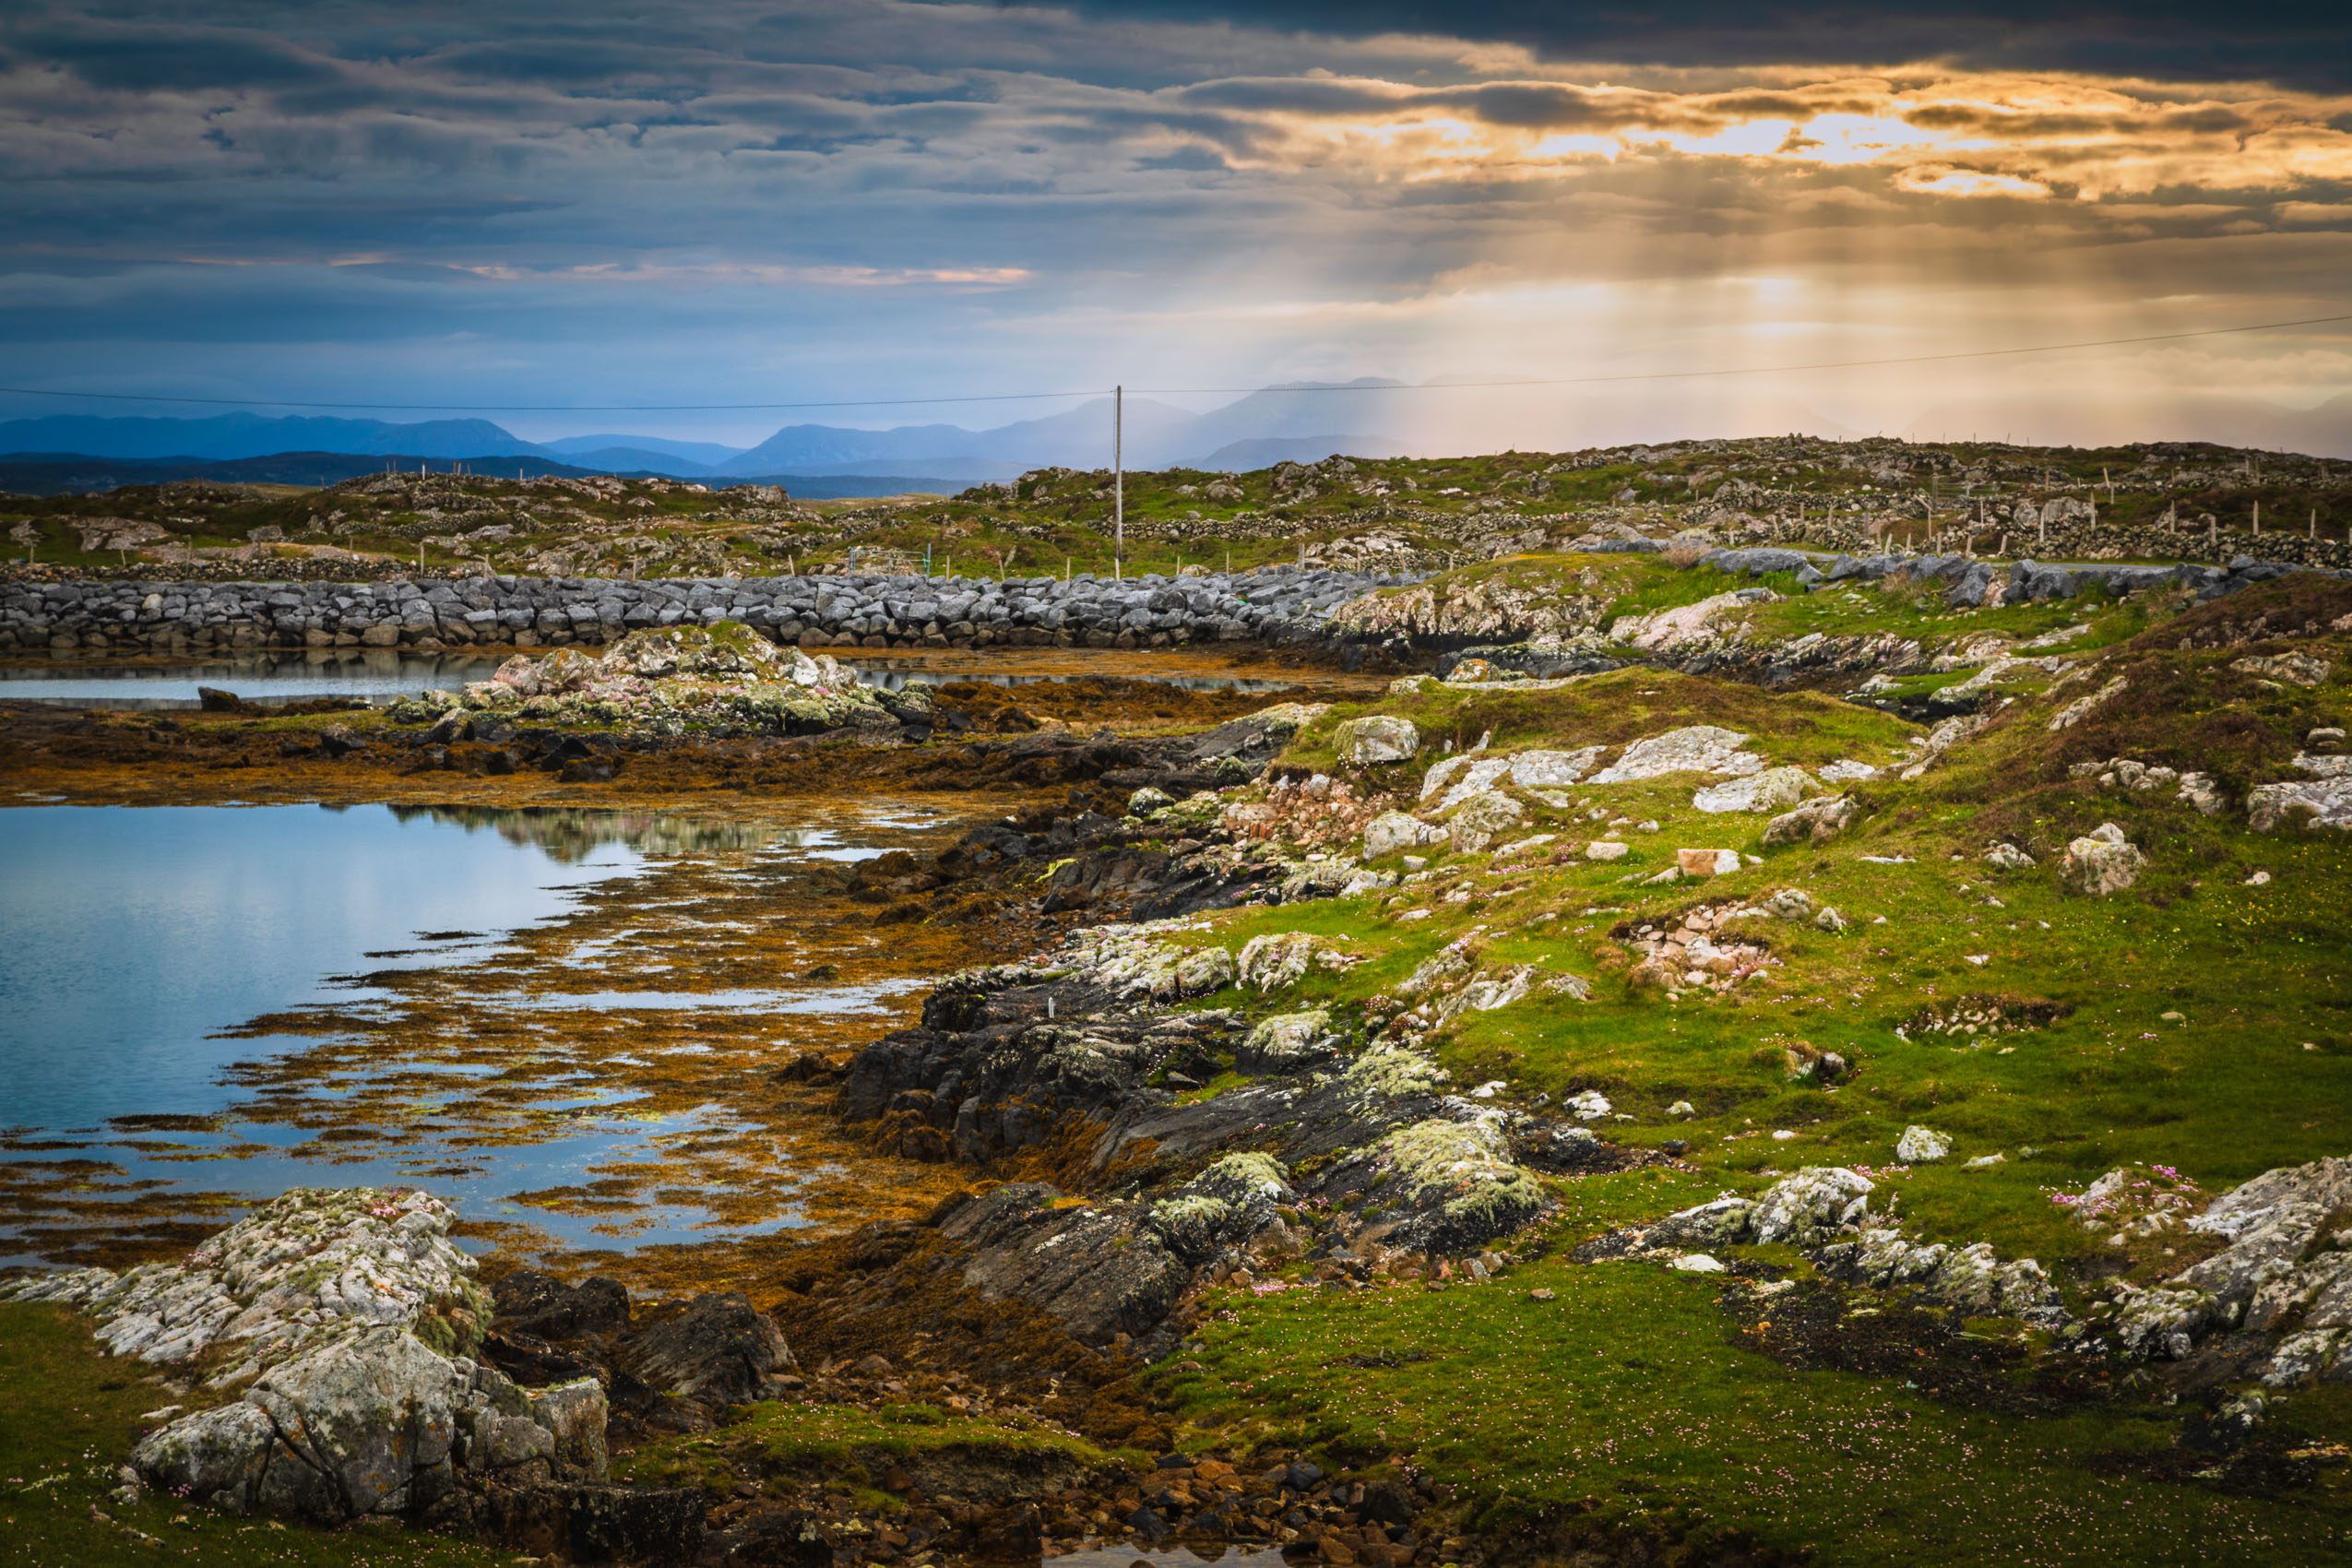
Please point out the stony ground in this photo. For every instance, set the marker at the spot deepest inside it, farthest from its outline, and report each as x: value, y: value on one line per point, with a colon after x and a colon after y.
x: 1743, y: 1069
x: 2163, y: 501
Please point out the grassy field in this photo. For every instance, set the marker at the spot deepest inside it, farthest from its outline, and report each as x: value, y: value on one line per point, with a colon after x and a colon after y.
x: 2195, y: 1023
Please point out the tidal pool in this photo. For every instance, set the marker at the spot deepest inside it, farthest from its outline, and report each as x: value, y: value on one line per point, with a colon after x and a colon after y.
x: 214, y: 1003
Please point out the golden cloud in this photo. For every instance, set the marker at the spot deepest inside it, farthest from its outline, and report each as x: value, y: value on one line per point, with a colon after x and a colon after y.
x: 1932, y: 133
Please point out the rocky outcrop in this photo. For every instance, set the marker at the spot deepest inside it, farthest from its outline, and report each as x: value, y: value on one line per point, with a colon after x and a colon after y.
x: 1695, y: 748
x: 718, y: 679
x: 2284, y: 1274
x: 1816, y: 822
x: 1071, y: 1054
x: 345, y: 1328
x: 314, y: 1266
x: 2313, y: 802
x: 1825, y: 1212
x: 1454, y: 611
x: 376, y: 1425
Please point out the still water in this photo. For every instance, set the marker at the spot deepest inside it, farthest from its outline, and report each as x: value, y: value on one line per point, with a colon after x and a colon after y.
x: 373, y: 674
x: 379, y: 675
x: 131, y: 938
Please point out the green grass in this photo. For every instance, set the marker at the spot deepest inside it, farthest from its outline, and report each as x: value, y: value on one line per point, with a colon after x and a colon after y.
x: 1634, y: 1400
x: 846, y: 1442
x: 2256, y: 1073
x: 68, y: 1416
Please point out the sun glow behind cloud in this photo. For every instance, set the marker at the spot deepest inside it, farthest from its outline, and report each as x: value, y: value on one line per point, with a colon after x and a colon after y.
x: 1934, y: 135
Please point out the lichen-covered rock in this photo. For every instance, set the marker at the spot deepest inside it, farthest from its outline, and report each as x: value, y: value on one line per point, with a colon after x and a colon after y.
x: 1484, y: 818
x: 2008, y: 857
x: 1695, y: 748
x: 311, y: 1266
x: 1460, y: 777
x: 1921, y: 1146
x: 1227, y: 1204
x: 1393, y: 833
x: 1375, y: 740
x: 1547, y: 770
x: 344, y: 1316
x: 1287, y: 1042
x: 1450, y: 1185
x: 1972, y: 1279
x: 2101, y: 863
x: 723, y: 678
x: 1486, y: 992
x: 2296, y: 669
x: 1278, y: 960
x: 1768, y: 790
x: 2311, y: 802
x: 1804, y: 1210
x: 1814, y: 822
x: 1133, y: 961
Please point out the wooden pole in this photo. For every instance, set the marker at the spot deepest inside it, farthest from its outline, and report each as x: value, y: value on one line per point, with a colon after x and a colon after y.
x: 1117, y: 481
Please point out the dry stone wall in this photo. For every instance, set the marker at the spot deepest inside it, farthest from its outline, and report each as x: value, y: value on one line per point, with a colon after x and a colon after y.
x: 1268, y: 605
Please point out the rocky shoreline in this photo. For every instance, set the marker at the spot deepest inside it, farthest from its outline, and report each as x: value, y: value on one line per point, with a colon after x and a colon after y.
x: 1161, y: 1116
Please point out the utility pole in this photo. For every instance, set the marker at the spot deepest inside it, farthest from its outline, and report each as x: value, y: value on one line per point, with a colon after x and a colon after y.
x: 1117, y: 481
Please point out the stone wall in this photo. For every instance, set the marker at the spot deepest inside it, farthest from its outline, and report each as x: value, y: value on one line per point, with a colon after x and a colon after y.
x: 1268, y: 605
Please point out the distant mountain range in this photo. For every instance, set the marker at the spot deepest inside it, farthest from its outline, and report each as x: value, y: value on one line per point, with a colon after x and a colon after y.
x: 1303, y: 423
x: 66, y: 473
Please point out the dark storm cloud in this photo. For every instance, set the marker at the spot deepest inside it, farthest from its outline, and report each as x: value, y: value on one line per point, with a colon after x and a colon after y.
x: 147, y: 59
x: 2297, y: 43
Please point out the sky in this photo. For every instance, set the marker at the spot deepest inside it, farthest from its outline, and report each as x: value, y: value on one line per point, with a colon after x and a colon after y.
x: 751, y: 202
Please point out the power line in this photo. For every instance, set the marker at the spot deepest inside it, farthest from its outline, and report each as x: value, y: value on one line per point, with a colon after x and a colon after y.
x: 1191, y: 391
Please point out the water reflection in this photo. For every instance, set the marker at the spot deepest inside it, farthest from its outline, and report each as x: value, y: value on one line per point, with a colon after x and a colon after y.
x: 571, y: 835
x: 177, y: 1018
x: 379, y: 675
x: 373, y: 674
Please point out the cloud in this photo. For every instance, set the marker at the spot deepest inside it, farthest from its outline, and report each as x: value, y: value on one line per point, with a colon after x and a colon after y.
x: 2298, y: 43
x: 855, y: 196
